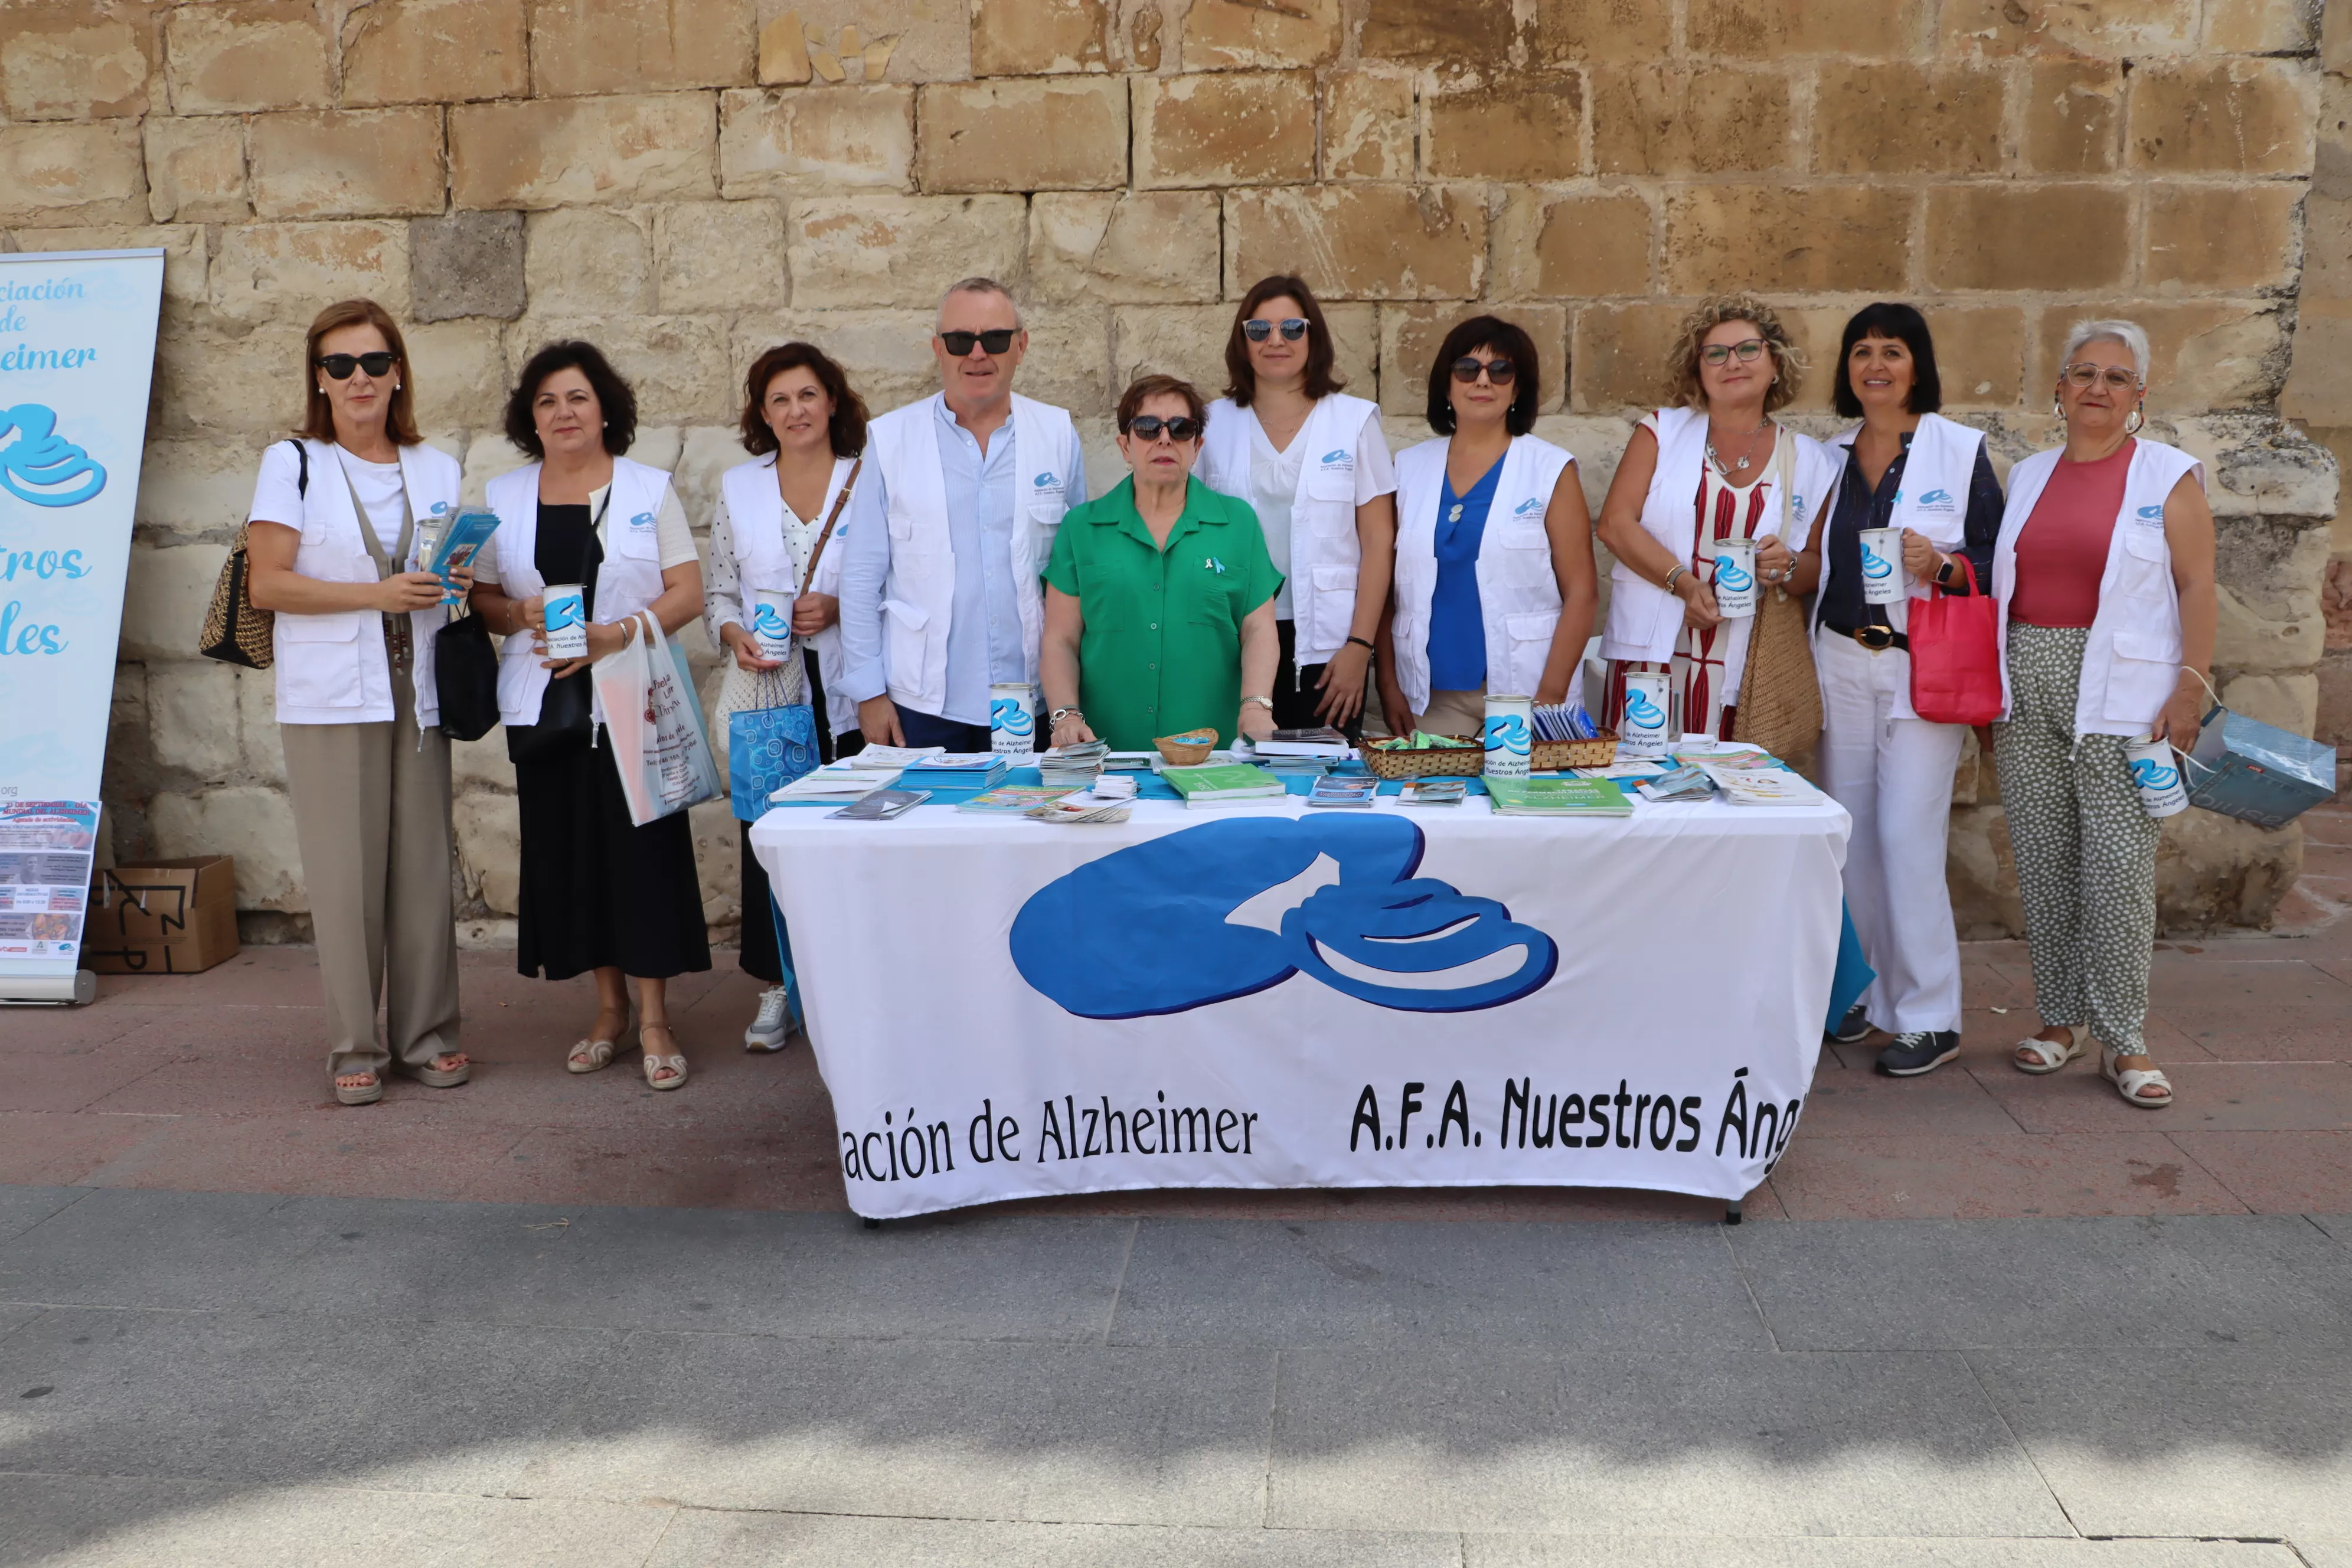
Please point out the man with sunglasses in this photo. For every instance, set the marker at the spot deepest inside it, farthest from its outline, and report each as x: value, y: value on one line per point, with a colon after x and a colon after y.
x: 948, y: 535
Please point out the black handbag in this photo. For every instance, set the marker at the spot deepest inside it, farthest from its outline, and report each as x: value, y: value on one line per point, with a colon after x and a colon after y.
x: 466, y: 677
x: 566, y: 724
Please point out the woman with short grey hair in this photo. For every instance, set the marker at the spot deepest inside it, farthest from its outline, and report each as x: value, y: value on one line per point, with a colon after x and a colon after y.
x: 2104, y: 572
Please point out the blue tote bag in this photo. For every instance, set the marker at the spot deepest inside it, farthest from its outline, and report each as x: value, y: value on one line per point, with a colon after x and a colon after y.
x: 768, y: 748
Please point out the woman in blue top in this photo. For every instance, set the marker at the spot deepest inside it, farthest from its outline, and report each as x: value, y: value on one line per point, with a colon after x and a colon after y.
x: 1495, y: 589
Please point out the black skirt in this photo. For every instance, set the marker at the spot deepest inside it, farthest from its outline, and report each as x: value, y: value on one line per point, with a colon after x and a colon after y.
x: 598, y: 891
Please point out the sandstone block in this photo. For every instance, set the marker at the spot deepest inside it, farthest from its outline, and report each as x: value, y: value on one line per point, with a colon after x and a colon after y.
x: 1189, y: 340
x: 900, y: 250
x: 718, y: 860
x: 1793, y: 239
x: 784, y: 51
x: 477, y: 766
x: 2027, y: 237
x: 2289, y: 702
x: 1618, y: 359
x: 489, y: 829
x: 588, y: 261
x: 195, y: 169
x: 1036, y: 133
x: 1123, y: 248
x: 1879, y: 29
x: 1224, y: 129
x: 2073, y: 116
x: 490, y: 454
x: 1417, y: 31
x: 185, y: 266
x: 2108, y: 29
x: 2332, y: 724
x: 2202, y: 355
x: 164, y: 598
x: 1659, y: 119
x: 579, y: 47
x: 2320, y: 389
x: 719, y: 256
x: 1034, y: 38
x: 877, y: 40
x: 2336, y: 41
x: 2238, y: 115
x: 546, y: 153
x: 887, y: 354
x: 1412, y: 334
x: 460, y: 374
x: 367, y: 163
x: 83, y: 174
x: 286, y: 272
x: 2260, y: 27
x: 2213, y: 871
x: 1512, y: 128
x: 772, y: 143
x: 466, y: 264
x: 1243, y: 34
x: 1368, y: 127
x: 1361, y: 241
x: 1069, y: 359
x: 424, y: 51
x: 240, y: 55
x: 2204, y: 238
x: 2261, y: 468
x: 195, y: 487
x: 1981, y: 871
x: 192, y: 717
x: 1816, y: 330
x: 1553, y: 245
x: 209, y: 380
x: 705, y: 453
x: 678, y: 365
x: 254, y: 825
x: 257, y: 718
x: 1980, y: 354
x: 1574, y: 32
x: 73, y: 62
x: 2253, y: 633
x: 1896, y: 118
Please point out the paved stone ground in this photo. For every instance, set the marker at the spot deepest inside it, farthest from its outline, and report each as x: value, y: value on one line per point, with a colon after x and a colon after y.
x: 549, y: 1319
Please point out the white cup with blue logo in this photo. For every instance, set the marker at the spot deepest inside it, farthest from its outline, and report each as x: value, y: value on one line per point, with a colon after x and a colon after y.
x: 2156, y: 775
x: 1012, y: 723
x: 566, y: 609
x: 772, y: 623
x: 1511, y: 736
x: 1644, y: 734
x: 1735, y: 577
x: 1881, y: 566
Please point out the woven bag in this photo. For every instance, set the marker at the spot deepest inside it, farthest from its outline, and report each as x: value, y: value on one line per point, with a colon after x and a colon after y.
x: 235, y: 632
x: 1780, y: 692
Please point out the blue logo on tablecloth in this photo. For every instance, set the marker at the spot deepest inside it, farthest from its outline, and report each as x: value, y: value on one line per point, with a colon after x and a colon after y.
x: 1641, y: 713
x: 1164, y: 927
x: 1507, y: 732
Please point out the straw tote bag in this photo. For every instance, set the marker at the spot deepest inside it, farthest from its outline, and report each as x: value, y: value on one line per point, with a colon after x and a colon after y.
x: 1779, y: 693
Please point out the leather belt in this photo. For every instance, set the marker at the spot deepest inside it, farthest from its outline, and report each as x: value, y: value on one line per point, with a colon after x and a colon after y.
x: 1877, y: 639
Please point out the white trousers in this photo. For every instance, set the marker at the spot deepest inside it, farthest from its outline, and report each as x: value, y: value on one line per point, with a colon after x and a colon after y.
x: 1894, y: 776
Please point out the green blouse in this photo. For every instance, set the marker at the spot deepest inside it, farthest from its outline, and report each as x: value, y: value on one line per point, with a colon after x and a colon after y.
x: 1161, y: 652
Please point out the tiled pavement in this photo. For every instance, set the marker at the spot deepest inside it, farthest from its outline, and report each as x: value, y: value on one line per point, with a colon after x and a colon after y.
x: 213, y: 1082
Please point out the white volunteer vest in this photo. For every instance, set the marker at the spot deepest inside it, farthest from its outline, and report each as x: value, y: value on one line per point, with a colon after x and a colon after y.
x: 1325, y: 554
x: 918, y: 598
x: 629, y: 579
x: 1644, y: 620
x: 331, y: 669
x: 755, y: 514
x: 2131, y: 662
x: 1518, y: 592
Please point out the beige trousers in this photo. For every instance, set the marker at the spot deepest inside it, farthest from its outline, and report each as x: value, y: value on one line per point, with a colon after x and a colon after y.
x: 371, y: 818
x: 1455, y: 713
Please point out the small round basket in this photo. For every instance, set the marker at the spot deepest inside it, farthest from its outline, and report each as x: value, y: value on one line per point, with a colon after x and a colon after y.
x: 1189, y: 749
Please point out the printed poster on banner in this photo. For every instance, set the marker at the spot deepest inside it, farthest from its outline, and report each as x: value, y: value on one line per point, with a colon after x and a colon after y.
x: 77, y: 354
x: 46, y: 850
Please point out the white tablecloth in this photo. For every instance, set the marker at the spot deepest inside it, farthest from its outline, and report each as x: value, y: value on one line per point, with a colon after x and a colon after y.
x: 1270, y: 997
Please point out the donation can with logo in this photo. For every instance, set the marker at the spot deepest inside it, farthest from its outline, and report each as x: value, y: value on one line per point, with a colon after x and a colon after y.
x: 1735, y: 577
x: 1881, y: 566
x: 772, y: 623
x: 2156, y: 774
x: 1511, y: 736
x: 566, y: 610
x: 1643, y: 735
x: 1012, y: 729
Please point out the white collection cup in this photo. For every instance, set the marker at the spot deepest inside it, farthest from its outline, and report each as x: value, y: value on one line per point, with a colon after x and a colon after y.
x: 1646, y: 735
x: 772, y: 623
x: 1881, y: 566
x: 1511, y: 736
x: 1735, y: 577
x: 2156, y: 775
x: 1012, y: 727
x: 566, y: 609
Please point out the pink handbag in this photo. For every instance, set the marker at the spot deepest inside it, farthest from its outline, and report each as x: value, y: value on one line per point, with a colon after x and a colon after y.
x: 1955, y: 655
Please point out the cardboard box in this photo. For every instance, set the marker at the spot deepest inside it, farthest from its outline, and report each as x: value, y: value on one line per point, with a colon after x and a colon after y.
x: 161, y: 917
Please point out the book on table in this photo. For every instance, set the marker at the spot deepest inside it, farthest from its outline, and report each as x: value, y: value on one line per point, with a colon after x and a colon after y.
x: 1557, y: 797
x: 1353, y: 792
x: 1222, y: 784
x: 971, y: 770
x: 1319, y: 742
x: 1432, y: 791
x: 1763, y: 786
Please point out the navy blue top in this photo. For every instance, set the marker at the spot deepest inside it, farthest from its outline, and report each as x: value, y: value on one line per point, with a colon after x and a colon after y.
x: 1457, y: 628
x: 1860, y: 507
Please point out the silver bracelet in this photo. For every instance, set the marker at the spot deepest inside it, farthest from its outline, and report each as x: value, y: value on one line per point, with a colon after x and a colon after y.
x: 1675, y: 576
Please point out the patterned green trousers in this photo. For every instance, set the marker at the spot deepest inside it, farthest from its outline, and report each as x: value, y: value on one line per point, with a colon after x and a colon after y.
x: 2084, y: 847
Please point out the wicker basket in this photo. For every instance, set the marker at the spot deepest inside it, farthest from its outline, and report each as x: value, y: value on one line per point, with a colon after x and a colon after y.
x: 1189, y: 749
x: 1435, y: 763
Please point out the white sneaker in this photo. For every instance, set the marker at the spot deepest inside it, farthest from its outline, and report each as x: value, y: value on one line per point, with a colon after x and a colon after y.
x: 773, y: 1028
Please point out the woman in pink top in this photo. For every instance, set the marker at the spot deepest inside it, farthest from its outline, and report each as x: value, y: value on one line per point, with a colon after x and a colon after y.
x: 2104, y: 572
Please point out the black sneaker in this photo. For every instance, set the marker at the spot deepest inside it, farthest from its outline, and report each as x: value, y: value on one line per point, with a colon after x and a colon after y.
x: 1919, y: 1051
x: 1851, y: 1029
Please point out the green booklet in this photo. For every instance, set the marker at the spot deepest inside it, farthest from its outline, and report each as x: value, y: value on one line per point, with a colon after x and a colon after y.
x: 1221, y: 781
x: 1557, y: 797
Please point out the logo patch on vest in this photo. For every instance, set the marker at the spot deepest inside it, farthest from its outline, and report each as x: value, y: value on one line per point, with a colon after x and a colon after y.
x: 1938, y: 501
x: 1047, y: 482
x: 439, y: 507
x: 1528, y: 507
x: 1338, y: 457
x: 2152, y: 513
x: 643, y: 519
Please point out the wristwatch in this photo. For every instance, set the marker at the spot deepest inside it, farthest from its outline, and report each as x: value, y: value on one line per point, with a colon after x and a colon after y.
x: 1264, y: 702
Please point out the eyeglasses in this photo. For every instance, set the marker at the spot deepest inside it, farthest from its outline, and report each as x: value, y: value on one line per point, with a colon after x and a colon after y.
x: 340, y: 366
x: 996, y: 341
x: 1148, y: 427
x: 1499, y: 372
x: 1257, y: 330
x: 2087, y: 376
x: 1749, y: 352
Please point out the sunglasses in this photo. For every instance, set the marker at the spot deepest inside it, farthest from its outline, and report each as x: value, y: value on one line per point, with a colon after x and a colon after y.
x: 995, y: 341
x: 1257, y: 330
x: 1499, y: 372
x: 2089, y: 375
x: 1749, y: 352
x: 340, y: 366
x: 1148, y: 427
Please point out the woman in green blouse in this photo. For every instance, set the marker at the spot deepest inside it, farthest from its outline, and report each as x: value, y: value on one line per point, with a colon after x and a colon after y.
x: 1160, y: 595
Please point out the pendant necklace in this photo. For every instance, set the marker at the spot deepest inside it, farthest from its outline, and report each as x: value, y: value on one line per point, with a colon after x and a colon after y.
x: 1742, y: 464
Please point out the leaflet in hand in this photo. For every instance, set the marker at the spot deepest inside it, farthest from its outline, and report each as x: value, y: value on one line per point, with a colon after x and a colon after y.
x: 465, y: 540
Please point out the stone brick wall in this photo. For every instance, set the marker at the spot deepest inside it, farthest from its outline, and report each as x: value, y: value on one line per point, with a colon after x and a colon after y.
x: 687, y: 181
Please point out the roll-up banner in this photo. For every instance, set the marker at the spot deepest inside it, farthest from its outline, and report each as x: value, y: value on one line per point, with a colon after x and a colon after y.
x: 76, y: 353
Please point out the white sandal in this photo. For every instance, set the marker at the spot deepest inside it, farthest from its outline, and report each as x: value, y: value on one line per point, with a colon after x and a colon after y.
x: 2049, y: 1056
x: 2129, y: 1081
x: 676, y: 1065
x: 593, y: 1056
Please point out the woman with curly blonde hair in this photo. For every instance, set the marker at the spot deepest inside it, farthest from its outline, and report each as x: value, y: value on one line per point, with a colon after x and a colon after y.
x: 1716, y: 465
